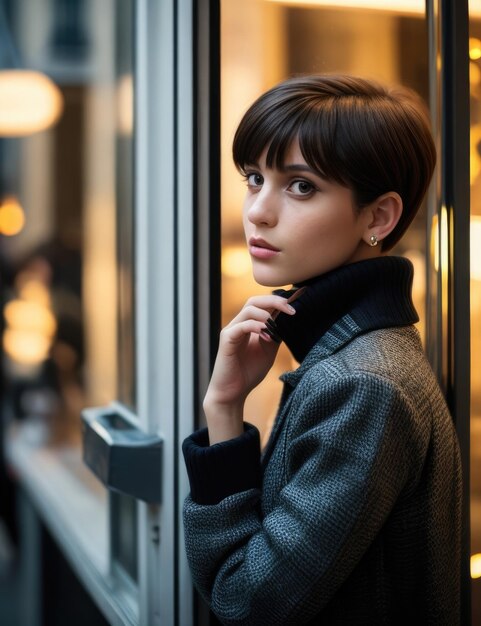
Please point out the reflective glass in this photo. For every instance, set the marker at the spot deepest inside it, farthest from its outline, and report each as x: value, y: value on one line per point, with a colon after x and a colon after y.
x: 124, y: 508
x: 475, y: 173
x: 66, y: 230
x: 61, y: 312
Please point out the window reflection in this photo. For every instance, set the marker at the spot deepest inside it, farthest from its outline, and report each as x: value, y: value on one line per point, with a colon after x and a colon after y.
x: 58, y: 224
x: 43, y: 335
x: 265, y: 41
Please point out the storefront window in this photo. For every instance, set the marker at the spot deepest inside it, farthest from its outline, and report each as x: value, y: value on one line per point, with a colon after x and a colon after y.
x: 266, y: 41
x: 66, y: 219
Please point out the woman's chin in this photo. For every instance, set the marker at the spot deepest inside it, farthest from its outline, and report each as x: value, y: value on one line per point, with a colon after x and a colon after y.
x: 266, y: 280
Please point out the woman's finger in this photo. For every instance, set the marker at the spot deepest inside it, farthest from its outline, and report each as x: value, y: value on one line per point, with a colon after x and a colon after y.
x: 270, y: 302
x: 261, y: 308
x: 237, y: 333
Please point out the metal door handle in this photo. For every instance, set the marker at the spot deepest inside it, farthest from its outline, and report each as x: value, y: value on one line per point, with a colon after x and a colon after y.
x: 124, y: 458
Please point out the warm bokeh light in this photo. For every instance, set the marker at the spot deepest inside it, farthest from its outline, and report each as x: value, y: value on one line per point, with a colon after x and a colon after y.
x: 125, y: 104
x: 413, y: 7
x: 439, y: 241
x: 29, y: 102
x: 474, y: 75
x: 30, y: 316
x: 26, y: 347
x: 474, y: 153
x: 30, y: 324
x: 12, y: 217
x: 236, y: 261
x: 476, y: 566
x: 34, y: 290
x: 475, y: 247
x: 474, y: 48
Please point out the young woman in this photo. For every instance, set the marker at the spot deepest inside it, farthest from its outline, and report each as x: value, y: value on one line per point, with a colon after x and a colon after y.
x: 351, y: 515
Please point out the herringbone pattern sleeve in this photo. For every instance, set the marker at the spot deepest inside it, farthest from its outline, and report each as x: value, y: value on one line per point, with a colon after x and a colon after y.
x: 346, y: 527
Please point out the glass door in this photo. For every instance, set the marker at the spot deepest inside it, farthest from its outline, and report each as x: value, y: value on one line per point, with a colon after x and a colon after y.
x: 99, y: 315
x: 153, y: 409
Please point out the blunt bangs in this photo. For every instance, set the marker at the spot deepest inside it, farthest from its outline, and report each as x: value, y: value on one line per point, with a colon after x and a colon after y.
x: 276, y: 127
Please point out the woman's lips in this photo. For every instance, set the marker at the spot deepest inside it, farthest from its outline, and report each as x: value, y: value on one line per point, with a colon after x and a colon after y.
x: 262, y: 249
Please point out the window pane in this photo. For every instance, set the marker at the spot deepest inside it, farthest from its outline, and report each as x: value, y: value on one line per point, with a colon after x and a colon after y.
x: 124, y: 508
x: 475, y: 167
x: 60, y: 335
x: 264, y: 42
x: 67, y: 266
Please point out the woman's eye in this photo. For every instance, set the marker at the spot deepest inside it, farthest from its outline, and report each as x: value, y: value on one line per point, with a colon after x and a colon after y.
x: 254, y: 180
x: 301, y: 187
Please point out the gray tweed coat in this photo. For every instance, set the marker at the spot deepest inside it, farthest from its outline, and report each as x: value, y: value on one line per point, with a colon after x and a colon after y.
x: 358, y: 518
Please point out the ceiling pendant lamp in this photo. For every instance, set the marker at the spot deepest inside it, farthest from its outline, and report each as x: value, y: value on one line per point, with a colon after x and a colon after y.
x: 29, y: 100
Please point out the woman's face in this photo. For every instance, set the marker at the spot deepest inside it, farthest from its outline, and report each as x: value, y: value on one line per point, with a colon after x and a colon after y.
x: 298, y: 225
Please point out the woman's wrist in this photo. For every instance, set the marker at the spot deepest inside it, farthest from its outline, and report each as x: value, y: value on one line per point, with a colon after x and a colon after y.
x: 224, y: 421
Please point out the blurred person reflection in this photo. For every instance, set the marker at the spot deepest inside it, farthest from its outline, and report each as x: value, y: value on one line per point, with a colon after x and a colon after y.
x: 45, y: 371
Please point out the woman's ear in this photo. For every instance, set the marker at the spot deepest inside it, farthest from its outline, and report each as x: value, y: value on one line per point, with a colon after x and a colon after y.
x: 385, y: 213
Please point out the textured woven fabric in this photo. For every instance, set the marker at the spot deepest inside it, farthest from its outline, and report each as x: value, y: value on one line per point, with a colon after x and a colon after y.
x: 357, y: 520
x: 375, y: 293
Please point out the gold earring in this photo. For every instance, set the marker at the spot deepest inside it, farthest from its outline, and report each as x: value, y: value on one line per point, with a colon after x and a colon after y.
x: 373, y: 241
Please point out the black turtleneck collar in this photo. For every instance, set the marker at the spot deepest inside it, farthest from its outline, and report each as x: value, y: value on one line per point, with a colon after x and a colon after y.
x: 375, y: 293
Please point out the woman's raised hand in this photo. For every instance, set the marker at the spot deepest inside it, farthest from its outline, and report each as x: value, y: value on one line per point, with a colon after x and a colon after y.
x: 246, y: 353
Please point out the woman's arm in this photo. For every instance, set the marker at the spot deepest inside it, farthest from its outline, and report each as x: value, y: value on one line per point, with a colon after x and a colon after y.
x: 246, y: 353
x: 348, y: 456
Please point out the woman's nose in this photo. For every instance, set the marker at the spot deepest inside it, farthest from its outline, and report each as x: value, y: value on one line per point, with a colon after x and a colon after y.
x: 263, y: 208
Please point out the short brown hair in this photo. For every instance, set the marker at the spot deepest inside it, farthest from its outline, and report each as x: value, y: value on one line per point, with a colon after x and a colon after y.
x: 353, y: 131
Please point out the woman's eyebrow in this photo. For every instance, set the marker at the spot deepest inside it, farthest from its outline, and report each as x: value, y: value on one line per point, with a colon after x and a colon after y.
x: 299, y: 167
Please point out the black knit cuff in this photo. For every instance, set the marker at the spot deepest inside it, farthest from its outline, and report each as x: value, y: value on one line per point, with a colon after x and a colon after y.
x: 222, y: 469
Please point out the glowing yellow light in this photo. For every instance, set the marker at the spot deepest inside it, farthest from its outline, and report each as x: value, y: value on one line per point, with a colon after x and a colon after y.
x: 439, y: 241
x: 416, y: 7
x: 476, y: 565
x: 36, y: 291
x: 30, y: 324
x: 12, y: 217
x: 474, y: 48
x: 434, y: 242
x: 444, y: 242
x: 474, y: 158
x: 30, y: 316
x: 125, y: 104
x: 27, y: 347
x: 413, y: 7
x: 474, y: 75
x: 475, y: 246
x: 235, y: 261
x: 29, y: 102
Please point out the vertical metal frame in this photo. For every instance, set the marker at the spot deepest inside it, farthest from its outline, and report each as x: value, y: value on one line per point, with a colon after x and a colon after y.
x: 155, y: 206
x: 449, y: 335
x: 207, y: 225
x: 186, y: 262
x: 207, y: 188
x: 177, y: 274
